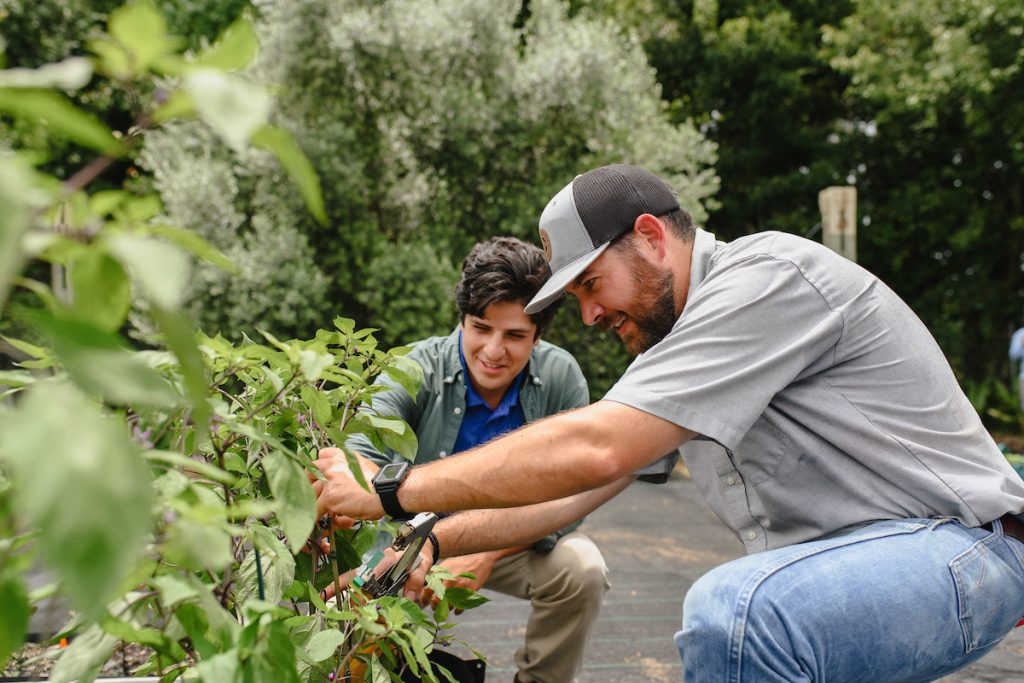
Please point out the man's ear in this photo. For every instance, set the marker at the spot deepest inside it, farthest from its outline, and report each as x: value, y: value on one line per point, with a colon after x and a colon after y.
x: 649, y: 231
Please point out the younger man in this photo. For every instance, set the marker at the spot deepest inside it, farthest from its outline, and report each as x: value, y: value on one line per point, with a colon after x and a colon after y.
x: 492, y: 375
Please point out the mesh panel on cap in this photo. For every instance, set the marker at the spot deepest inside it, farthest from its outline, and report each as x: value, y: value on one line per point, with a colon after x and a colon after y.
x: 610, y: 198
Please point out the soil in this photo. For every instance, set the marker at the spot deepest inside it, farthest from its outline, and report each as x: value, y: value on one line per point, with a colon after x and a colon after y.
x: 35, y: 661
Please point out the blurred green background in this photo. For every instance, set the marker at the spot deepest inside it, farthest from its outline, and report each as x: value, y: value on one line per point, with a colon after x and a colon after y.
x: 434, y: 124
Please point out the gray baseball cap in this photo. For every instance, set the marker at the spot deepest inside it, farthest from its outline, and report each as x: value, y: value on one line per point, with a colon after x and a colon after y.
x: 581, y: 221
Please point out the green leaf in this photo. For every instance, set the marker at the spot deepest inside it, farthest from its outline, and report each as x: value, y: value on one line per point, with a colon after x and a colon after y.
x: 464, y: 598
x: 162, y: 268
x: 197, y: 626
x: 345, y: 325
x: 26, y: 348
x: 174, y: 590
x: 407, y: 372
x: 317, y: 402
x: 234, y: 49
x: 292, y: 490
x: 281, y: 144
x: 16, y: 378
x: 274, y: 656
x: 193, y: 243
x: 276, y: 563
x: 355, y: 468
x: 14, y: 615
x: 234, y: 108
x: 84, y: 485
x: 397, y: 435
x: 105, y: 202
x: 101, y: 290
x: 42, y: 291
x: 139, y: 28
x: 197, y: 542
x: 98, y: 363
x: 57, y: 112
x: 324, y: 644
x: 139, y: 209
x: 81, y: 662
x: 129, y: 633
x: 181, y: 591
x: 312, y: 364
x: 179, y: 105
x: 220, y: 668
x: 441, y: 611
x: 180, y: 338
x: 15, y: 218
x: 188, y: 464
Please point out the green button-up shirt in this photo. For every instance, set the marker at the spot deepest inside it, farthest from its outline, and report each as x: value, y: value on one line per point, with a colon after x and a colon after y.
x: 553, y: 383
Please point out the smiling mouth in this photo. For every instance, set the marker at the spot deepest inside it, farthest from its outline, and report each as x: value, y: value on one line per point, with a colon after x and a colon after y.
x: 491, y: 366
x: 616, y: 325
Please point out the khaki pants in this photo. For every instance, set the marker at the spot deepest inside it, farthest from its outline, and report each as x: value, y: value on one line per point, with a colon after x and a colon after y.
x: 565, y: 588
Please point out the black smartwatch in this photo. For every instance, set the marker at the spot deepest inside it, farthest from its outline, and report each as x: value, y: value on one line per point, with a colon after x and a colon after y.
x: 386, y: 483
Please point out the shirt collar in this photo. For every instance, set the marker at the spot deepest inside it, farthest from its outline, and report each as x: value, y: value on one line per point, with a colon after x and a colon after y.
x: 704, y: 245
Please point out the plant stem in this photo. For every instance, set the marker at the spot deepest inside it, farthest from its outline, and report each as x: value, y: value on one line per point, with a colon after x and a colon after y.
x: 87, y: 174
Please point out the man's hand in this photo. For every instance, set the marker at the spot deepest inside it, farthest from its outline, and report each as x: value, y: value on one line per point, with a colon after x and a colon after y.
x: 480, y: 565
x: 339, y: 494
x: 413, y: 584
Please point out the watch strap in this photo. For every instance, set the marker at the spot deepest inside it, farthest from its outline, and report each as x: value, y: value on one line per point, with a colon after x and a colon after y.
x: 389, y: 501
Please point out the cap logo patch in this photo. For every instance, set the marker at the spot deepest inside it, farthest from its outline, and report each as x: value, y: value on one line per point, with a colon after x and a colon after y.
x: 545, y: 242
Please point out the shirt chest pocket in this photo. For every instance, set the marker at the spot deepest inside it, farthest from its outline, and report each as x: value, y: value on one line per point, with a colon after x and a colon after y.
x: 761, y: 452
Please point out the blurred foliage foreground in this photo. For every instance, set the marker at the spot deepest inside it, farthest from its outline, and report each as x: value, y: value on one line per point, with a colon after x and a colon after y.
x: 166, y: 490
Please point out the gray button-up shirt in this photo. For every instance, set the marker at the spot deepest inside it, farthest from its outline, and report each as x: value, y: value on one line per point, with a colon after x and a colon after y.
x: 821, y: 400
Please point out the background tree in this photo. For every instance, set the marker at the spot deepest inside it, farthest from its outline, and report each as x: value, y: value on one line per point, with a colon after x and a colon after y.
x: 433, y: 126
x: 917, y: 104
x: 936, y: 139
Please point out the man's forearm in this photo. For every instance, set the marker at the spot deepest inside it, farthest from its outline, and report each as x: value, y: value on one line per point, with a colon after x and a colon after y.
x: 553, y: 458
x: 549, y: 459
x: 484, y: 530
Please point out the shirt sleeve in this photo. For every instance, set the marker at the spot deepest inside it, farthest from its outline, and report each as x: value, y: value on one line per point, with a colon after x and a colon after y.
x: 748, y: 330
x: 392, y: 401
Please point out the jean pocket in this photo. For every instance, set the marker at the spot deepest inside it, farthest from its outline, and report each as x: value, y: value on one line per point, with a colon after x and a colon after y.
x: 984, y: 608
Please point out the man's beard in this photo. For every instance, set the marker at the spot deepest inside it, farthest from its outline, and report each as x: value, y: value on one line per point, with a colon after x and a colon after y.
x: 655, y: 309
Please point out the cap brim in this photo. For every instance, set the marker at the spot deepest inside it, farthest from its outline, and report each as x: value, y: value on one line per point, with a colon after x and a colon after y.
x: 560, y: 279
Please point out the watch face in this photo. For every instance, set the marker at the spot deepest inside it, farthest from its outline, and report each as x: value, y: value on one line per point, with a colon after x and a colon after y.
x: 391, y: 470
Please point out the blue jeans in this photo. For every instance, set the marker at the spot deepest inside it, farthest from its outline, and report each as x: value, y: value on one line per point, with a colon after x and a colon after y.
x: 902, y: 600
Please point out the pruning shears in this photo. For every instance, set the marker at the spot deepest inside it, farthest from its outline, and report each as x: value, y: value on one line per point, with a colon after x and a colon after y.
x: 410, y: 538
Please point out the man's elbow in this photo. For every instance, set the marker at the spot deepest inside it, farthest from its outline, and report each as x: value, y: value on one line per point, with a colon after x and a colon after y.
x: 609, y: 464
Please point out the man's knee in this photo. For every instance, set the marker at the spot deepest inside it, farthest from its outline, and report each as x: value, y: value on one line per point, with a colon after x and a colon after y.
x: 575, y: 568
x: 709, y: 610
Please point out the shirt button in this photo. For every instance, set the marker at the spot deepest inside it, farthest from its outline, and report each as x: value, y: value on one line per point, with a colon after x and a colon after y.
x: 458, y: 411
x: 751, y: 535
x: 730, y: 480
x: 442, y: 454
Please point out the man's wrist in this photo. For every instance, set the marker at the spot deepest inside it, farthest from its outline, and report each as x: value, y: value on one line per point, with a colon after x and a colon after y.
x: 436, y: 549
x: 386, y: 483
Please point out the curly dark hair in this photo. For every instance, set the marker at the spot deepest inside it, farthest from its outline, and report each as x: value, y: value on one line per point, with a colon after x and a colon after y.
x: 502, y: 270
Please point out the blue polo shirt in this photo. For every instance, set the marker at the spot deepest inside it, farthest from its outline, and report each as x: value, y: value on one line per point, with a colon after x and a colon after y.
x: 480, y: 424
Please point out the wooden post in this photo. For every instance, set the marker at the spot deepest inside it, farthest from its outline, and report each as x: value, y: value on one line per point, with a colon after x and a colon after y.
x: 838, y: 206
